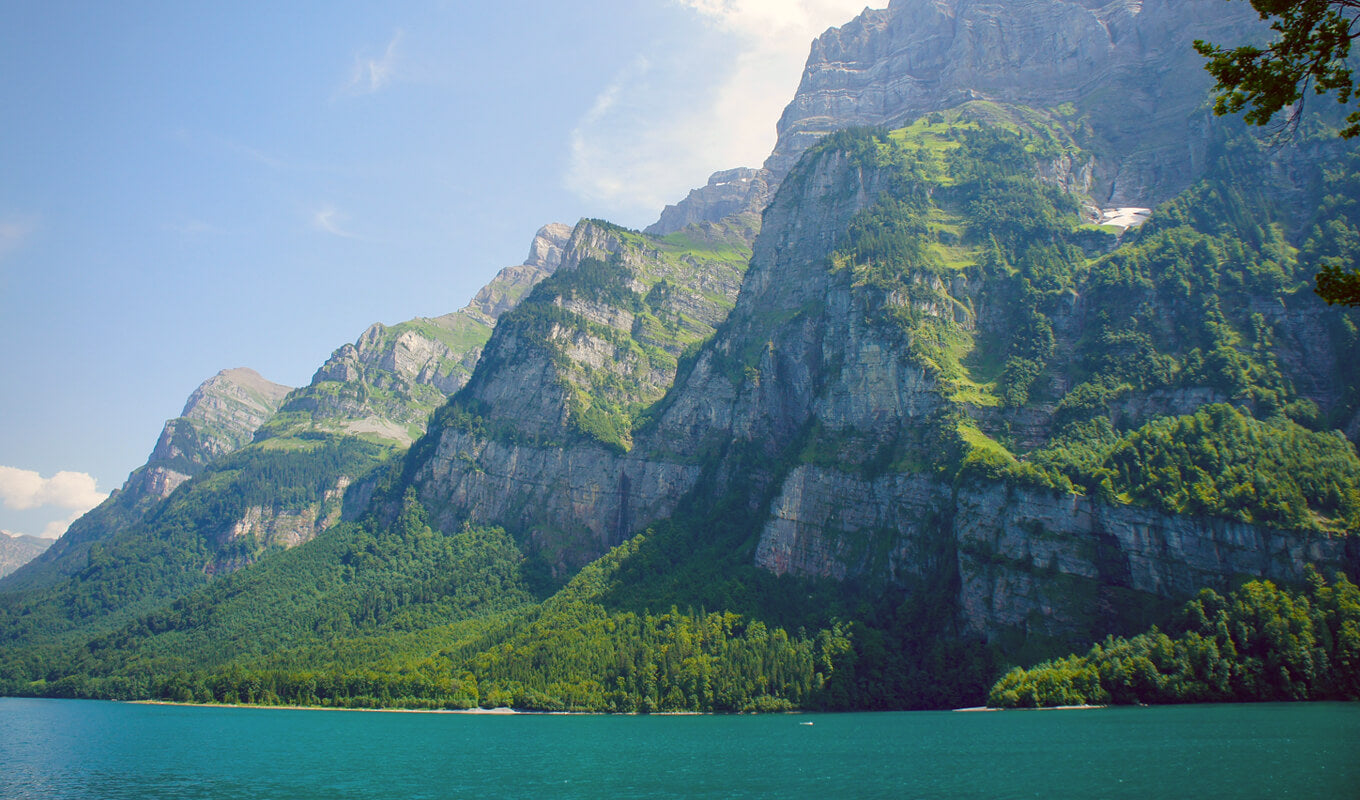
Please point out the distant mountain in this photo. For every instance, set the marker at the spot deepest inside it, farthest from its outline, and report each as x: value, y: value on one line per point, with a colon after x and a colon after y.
x: 17, y: 549
x: 385, y: 386
x: 220, y: 417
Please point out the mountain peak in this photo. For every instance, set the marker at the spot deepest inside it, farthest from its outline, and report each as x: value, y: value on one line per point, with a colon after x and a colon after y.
x: 1125, y: 69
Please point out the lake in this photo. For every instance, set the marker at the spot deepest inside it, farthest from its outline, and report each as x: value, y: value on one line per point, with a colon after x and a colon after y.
x: 90, y: 749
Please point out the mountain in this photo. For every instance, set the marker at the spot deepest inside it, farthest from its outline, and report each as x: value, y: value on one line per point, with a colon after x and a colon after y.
x: 533, y: 441
x: 220, y: 417
x: 385, y: 385
x: 964, y: 320
x: 1124, y: 71
x: 857, y: 430
x: 727, y: 193
x: 17, y: 549
x: 259, y: 467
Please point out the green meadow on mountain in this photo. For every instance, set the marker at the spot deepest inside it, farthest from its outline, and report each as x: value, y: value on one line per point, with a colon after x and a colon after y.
x: 919, y: 401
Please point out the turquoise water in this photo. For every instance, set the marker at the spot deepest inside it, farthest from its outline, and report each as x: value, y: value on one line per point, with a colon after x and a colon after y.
x: 87, y: 749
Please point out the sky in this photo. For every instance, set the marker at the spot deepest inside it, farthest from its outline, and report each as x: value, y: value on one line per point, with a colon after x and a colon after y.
x: 192, y: 187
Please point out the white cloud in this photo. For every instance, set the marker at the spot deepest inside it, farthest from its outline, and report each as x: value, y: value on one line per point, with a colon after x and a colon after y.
x: 776, y: 21
x: 369, y: 73
x: 22, y: 489
x: 76, y: 492
x: 57, y: 527
x: 662, y: 125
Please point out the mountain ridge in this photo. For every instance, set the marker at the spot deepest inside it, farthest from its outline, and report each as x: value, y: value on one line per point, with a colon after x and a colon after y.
x: 919, y: 415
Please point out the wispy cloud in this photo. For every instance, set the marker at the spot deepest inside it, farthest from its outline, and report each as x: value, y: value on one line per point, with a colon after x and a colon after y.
x: 14, y: 231
x: 192, y: 227
x: 329, y: 219
x: 75, y: 492
x: 780, y: 22
x: 369, y: 73
x: 662, y: 125
x: 216, y: 145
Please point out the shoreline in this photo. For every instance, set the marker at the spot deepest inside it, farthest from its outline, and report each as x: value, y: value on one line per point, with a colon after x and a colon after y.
x: 501, y: 711
x: 1035, y: 708
x: 505, y: 710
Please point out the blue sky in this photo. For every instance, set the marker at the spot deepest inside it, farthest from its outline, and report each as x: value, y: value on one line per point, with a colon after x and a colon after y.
x: 190, y: 187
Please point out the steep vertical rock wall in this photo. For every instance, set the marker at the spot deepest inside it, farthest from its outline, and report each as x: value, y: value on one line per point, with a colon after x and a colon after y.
x: 1029, y: 562
x: 1125, y: 68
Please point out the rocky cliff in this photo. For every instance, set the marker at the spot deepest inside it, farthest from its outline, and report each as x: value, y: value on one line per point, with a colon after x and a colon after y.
x: 221, y: 416
x: 1125, y: 70
x: 537, y: 438
x: 1029, y: 562
x: 1122, y: 71
x: 511, y: 284
x: 727, y: 193
x: 901, y: 366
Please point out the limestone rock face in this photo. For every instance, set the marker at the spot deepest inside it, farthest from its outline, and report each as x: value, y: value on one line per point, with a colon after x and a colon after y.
x: 510, y: 285
x: 569, y: 503
x: 220, y: 417
x: 732, y: 191
x: 265, y: 526
x: 1126, y: 67
x: 762, y: 378
x: 1029, y: 560
x: 539, y: 440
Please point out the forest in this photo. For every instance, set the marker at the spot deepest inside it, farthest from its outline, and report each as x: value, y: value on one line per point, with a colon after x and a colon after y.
x: 1259, y: 643
x: 1151, y: 360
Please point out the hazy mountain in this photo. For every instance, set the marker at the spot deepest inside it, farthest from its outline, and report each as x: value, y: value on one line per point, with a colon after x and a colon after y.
x: 220, y: 417
x: 17, y: 549
x: 377, y: 392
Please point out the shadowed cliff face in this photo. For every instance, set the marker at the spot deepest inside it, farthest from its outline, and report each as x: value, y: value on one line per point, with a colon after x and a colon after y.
x: 1028, y: 561
x: 1126, y: 68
